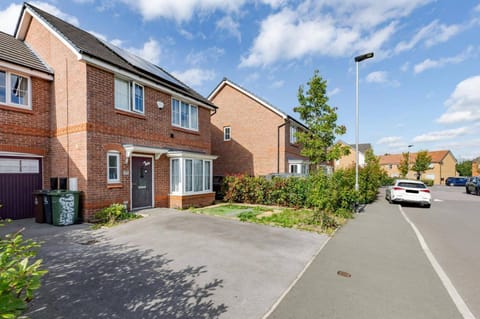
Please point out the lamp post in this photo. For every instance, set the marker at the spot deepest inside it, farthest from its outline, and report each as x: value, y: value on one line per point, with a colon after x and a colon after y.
x: 408, y: 158
x: 358, y: 59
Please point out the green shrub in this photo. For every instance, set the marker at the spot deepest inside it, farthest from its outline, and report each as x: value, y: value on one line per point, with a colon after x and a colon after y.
x: 247, y: 216
x: 112, y: 215
x: 428, y: 182
x: 19, y: 277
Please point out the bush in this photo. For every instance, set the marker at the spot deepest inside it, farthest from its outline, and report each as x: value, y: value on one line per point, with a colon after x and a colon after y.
x: 112, y: 215
x: 428, y: 182
x: 19, y: 277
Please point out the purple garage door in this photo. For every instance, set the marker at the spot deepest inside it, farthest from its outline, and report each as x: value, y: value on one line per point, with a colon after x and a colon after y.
x: 19, y: 177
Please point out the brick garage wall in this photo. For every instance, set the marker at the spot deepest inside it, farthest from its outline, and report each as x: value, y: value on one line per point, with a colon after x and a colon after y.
x: 27, y: 131
x: 253, y: 148
x: 199, y: 200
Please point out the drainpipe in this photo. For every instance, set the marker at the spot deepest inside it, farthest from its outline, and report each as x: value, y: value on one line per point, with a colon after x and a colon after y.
x: 278, y: 145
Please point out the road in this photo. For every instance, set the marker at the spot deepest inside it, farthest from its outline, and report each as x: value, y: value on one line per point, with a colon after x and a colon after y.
x: 451, y: 228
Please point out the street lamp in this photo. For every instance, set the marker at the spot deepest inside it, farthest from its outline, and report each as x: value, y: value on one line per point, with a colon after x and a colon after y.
x: 408, y: 159
x: 358, y: 59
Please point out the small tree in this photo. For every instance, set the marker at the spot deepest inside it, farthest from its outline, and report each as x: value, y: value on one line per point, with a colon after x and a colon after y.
x: 464, y: 168
x: 321, y: 119
x: 404, y: 165
x: 422, y: 163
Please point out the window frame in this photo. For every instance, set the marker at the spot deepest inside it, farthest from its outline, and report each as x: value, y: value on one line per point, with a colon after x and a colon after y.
x: 191, y: 123
x: 293, y: 137
x: 131, y: 96
x: 115, y: 154
x: 8, y: 90
x: 227, y: 136
x: 183, y: 187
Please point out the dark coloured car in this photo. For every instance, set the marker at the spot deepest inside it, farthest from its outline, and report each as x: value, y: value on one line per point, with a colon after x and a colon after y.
x: 456, y: 181
x: 473, y: 185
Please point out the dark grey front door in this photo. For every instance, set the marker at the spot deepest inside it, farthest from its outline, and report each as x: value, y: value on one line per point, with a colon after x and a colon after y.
x: 141, y: 182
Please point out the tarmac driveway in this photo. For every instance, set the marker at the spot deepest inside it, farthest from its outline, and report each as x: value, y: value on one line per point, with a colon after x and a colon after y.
x: 170, y: 264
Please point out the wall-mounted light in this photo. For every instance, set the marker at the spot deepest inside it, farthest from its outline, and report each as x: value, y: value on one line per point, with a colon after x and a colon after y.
x: 160, y: 104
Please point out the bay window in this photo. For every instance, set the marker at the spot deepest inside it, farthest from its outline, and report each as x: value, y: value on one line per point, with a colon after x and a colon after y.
x: 190, y: 176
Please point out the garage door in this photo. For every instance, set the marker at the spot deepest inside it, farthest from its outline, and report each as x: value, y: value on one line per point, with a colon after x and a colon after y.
x: 19, y: 177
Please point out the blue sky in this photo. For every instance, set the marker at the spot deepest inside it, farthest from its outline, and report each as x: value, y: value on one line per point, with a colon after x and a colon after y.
x: 421, y: 88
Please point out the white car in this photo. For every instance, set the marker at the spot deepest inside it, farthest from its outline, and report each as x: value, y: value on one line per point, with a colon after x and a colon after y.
x: 409, y: 191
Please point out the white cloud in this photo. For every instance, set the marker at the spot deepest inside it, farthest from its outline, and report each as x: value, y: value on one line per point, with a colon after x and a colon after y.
x: 186, y: 34
x: 330, y: 28
x: 275, y: 3
x: 433, y: 64
x: 277, y: 84
x: 195, y: 77
x: 228, y: 24
x: 431, y: 34
x: 405, y: 67
x: 9, y: 18
x: 440, y: 135
x: 389, y: 140
x: 182, y: 10
x: 206, y: 56
x: 151, y: 51
x: 333, y: 92
x: 464, y: 103
x: 381, y: 77
x: 477, y: 8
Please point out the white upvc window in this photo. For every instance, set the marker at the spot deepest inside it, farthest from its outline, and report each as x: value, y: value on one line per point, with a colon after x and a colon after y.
x: 15, y: 90
x: 184, y: 115
x: 113, y: 167
x: 129, y: 96
x: 298, y: 167
x: 190, y: 176
x: 227, y: 133
x: 293, y: 137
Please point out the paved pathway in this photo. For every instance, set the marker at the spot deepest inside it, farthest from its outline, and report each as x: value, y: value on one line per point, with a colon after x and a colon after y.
x: 390, y: 274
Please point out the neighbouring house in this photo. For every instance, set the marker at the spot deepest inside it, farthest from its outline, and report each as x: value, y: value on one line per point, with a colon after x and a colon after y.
x: 251, y: 136
x: 476, y: 167
x: 25, y: 112
x: 443, y: 165
x: 348, y: 161
x: 122, y: 129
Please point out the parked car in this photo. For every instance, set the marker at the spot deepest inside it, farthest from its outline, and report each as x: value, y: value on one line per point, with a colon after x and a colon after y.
x: 409, y: 191
x: 473, y: 185
x: 456, y: 181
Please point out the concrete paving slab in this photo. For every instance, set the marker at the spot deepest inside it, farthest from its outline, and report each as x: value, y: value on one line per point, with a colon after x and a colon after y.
x: 170, y: 264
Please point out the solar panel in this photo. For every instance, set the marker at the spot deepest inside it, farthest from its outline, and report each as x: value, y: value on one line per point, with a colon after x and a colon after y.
x: 144, y: 64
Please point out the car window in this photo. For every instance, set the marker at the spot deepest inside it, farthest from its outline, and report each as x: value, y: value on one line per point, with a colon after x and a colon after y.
x: 411, y: 185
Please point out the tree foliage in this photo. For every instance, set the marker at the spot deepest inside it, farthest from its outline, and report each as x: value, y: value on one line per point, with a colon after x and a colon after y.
x: 404, y: 165
x: 422, y: 163
x: 464, y: 168
x: 321, y: 119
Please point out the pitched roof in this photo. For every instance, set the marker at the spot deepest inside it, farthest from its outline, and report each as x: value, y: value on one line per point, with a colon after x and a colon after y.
x: 395, y: 159
x: 261, y: 101
x: 87, y: 45
x: 17, y: 52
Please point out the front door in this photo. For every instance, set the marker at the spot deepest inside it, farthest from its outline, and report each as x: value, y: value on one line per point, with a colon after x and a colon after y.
x: 142, y: 182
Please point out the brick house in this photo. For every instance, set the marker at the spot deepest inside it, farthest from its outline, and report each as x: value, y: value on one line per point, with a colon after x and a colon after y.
x: 124, y: 129
x: 476, y: 167
x: 443, y: 165
x: 25, y: 89
x: 348, y: 161
x: 250, y: 136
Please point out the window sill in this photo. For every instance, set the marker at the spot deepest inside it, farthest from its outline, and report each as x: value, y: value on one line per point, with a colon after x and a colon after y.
x: 16, y: 109
x: 184, y: 130
x: 114, y: 185
x: 131, y: 114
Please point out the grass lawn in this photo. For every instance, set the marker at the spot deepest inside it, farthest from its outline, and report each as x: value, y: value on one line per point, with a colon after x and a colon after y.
x: 303, y: 219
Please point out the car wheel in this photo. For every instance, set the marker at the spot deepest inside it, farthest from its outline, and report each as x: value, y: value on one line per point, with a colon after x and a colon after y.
x: 467, y: 190
x: 477, y: 191
x: 427, y: 206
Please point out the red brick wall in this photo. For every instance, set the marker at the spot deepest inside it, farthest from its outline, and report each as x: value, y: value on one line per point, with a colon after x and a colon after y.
x: 27, y: 131
x: 192, y: 200
x: 253, y: 148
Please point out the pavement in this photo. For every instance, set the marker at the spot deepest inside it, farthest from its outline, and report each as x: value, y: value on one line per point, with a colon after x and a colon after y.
x: 170, y: 264
x: 374, y: 267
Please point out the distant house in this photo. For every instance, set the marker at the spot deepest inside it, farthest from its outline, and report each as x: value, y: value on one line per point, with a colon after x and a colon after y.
x: 348, y: 161
x: 251, y: 136
x: 476, y: 167
x: 122, y: 129
x: 443, y: 165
